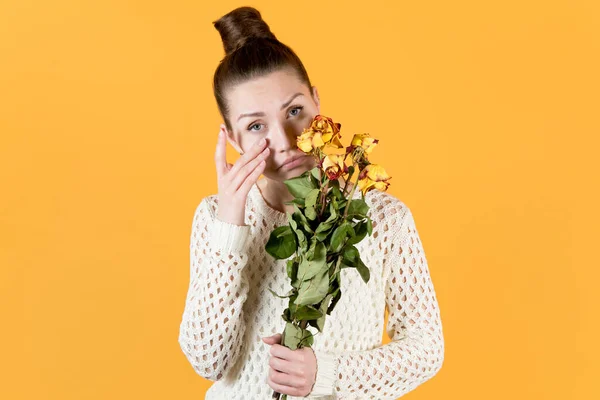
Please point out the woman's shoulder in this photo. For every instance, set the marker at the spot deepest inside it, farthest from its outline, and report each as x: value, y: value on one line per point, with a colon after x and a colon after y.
x: 388, y: 213
x: 210, y: 204
x: 383, y: 204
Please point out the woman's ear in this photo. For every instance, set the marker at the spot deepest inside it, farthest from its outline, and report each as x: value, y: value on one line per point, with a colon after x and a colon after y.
x: 315, y: 95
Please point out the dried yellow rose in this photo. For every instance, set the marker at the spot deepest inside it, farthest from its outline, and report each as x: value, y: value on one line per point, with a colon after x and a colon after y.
x: 365, y: 141
x: 334, y: 166
x: 373, y: 176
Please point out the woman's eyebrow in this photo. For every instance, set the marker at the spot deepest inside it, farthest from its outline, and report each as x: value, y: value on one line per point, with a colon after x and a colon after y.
x: 262, y: 114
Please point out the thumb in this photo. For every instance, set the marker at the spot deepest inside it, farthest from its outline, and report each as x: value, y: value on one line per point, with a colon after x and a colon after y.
x: 276, y: 338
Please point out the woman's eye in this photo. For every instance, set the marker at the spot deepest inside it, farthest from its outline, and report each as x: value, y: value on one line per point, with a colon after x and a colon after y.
x: 298, y: 109
x: 253, y: 125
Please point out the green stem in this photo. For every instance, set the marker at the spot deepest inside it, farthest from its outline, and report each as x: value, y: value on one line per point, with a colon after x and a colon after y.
x: 276, y: 394
x: 323, y: 197
x: 346, y: 184
x: 350, y: 196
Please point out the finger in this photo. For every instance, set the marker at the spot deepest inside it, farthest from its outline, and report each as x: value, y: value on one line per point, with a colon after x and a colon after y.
x: 276, y: 338
x: 283, y: 389
x: 284, y: 366
x: 283, y: 352
x: 251, y: 180
x: 248, y: 156
x: 283, y: 378
x: 247, y: 170
x: 229, y: 166
x: 220, y: 154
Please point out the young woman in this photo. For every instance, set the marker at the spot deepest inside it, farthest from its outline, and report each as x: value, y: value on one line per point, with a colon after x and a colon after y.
x: 231, y: 324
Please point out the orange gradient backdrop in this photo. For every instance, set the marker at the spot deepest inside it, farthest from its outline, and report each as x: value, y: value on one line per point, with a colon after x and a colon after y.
x: 488, y: 120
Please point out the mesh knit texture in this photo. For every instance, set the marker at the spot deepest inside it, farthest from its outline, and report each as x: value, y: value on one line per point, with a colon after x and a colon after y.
x: 228, y: 308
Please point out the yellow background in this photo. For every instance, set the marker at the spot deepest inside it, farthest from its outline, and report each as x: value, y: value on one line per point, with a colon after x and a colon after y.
x: 488, y: 120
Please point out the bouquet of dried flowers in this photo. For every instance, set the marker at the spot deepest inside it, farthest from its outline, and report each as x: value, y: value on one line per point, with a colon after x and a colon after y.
x: 324, y: 228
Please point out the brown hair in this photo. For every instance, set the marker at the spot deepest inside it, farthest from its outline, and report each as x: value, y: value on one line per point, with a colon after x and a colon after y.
x: 251, y: 50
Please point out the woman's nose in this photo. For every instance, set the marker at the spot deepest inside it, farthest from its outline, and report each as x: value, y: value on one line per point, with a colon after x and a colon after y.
x: 282, y: 139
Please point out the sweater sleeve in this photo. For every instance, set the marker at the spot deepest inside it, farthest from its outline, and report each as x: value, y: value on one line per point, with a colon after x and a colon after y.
x: 416, y: 351
x: 212, y: 325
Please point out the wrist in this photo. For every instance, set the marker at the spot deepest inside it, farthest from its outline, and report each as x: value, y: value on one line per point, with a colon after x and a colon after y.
x: 324, y: 384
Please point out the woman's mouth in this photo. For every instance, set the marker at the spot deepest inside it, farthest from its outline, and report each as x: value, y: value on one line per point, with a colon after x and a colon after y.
x: 293, y: 162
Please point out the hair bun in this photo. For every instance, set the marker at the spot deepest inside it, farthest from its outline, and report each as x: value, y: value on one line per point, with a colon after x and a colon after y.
x: 239, y: 25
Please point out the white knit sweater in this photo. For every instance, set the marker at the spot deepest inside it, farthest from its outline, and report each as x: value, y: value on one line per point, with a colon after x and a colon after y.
x: 228, y: 308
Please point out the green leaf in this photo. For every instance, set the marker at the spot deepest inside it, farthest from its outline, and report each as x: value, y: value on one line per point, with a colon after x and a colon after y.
x: 351, y: 230
x: 281, y: 243
x: 301, y: 218
x: 323, y: 311
x: 323, y: 230
x: 299, y: 202
x: 322, y: 236
x: 307, y: 340
x: 289, y: 294
x: 300, y: 186
x: 333, y: 281
x: 300, y: 237
x: 286, y: 315
x: 302, y: 243
x: 315, y: 173
x: 310, y: 213
x: 293, y: 223
x: 337, y: 193
x: 350, y: 256
x: 331, y: 268
x: 324, y: 226
x: 313, y: 323
x: 311, y: 249
x: 363, y: 270
x: 316, y: 179
x: 292, y: 335
x: 314, y: 290
x: 358, y: 207
x: 307, y: 312
x: 311, y: 198
x: 337, y: 295
x: 352, y: 259
x: 292, y: 305
x: 333, y: 214
x: 361, y: 232
x: 296, y: 282
x: 308, y: 268
x: 292, y: 269
x: 369, y: 226
x: 339, y: 234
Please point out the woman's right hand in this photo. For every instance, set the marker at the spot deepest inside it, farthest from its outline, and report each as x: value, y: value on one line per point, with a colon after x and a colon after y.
x: 235, y: 180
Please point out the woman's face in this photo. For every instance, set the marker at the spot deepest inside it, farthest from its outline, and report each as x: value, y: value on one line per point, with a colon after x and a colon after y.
x: 278, y: 107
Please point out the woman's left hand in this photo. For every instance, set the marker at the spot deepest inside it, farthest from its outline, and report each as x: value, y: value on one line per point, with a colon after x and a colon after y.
x: 291, y: 372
